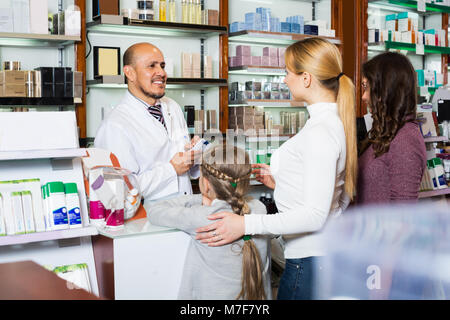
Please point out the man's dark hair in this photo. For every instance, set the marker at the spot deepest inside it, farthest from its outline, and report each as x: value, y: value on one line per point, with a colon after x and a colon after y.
x: 128, y: 57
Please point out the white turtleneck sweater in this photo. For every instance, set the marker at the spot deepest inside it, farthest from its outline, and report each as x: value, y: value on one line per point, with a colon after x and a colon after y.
x: 309, y: 172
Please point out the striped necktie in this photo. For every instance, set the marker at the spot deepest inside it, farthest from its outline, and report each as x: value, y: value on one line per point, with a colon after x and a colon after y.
x: 157, y: 113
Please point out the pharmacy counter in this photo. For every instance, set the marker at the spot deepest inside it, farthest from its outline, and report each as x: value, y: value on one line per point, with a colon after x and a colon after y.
x: 139, y: 261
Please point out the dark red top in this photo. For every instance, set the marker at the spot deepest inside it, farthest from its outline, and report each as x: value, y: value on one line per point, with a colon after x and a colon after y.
x: 395, y: 175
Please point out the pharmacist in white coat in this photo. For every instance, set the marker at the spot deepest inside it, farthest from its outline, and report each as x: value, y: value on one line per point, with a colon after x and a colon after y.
x: 147, y: 131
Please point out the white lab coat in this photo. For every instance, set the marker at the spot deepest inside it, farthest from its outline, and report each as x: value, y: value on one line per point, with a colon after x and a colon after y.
x: 143, y: 146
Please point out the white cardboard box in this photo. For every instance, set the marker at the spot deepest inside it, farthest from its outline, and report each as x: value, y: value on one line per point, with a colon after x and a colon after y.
x: 6, y: 20
x: 24, y: 131
x: 39, y: 16
x: 72, y: 23
x: 21, y: 16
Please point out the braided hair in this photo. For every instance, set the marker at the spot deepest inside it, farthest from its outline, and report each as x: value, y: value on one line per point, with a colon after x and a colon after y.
x: 230, y: 182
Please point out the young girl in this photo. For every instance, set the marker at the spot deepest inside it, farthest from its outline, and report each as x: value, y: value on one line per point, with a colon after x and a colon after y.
x: 239, y: 270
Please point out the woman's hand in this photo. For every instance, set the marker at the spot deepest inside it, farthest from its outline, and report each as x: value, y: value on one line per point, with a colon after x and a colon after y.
x: 227, y: 229
x: 262, y: 173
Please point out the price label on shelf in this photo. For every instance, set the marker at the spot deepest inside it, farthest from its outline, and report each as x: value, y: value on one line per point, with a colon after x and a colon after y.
x: 421, y: 6
x: 420, y: 49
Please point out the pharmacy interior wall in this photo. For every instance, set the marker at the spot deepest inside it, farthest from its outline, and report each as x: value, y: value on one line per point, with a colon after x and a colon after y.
x: 100, y: 101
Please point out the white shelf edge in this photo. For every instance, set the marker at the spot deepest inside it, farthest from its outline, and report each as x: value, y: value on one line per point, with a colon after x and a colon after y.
x: 434, y: 193
x: 36, y: 36
x: 48, y: 235
x: 435, y: 139
x: 42, y: 154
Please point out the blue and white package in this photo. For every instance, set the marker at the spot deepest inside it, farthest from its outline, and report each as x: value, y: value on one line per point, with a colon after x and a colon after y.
x: 237, y: 26
x: 285, y: 27
x: 201, y: 145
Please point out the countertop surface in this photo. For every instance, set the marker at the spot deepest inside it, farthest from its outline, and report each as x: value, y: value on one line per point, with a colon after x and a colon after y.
x: 134, y: 228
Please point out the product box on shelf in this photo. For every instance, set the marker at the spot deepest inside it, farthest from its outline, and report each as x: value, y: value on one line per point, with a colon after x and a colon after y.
x: 270, y: 52
x: 38, y: 16
x: 13, y: 83
x: 391, y: 22
x: 6, y: 20
x: 253, y: 21
x: 407, y: 21
x: 196, y: 65
x: 253, y: 85
x: 296, y: 28
x: 255, y: 61
x: 275, y: 24
x: 265, y: 61
x: 72, y: 22
x: 213, y: 17
x: 409, y: 37
x: 311, y: 29
x: 21, y: 16
x: 237, y: 26
x: 285, y: 27
x: 243, y: 50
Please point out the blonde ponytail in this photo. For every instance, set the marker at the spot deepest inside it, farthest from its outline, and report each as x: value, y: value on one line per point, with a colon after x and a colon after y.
x: 323, y: 60
x: 347, y: 112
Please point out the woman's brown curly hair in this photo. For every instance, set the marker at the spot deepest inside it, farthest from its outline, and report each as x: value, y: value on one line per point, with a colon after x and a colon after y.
x: 392, y: 82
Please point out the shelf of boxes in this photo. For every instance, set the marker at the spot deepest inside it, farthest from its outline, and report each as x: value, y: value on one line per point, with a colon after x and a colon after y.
x: 35, y: 159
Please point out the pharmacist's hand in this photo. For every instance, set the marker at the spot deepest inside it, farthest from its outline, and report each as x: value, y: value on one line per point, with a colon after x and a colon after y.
x: 183, y: 161
x: 191, y: 144
x: 227, y: 229
x: 263, y: 175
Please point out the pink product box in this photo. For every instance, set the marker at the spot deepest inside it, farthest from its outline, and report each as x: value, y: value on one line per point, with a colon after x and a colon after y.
x: 274, y: 61
x: 230, y: 62
x: 281, y: 51
x: 270, y: 52
x: 281, y: 62
x: 242, y: 61
x: 265, y: 61
x: 243, y: 51
x: 256, y: 61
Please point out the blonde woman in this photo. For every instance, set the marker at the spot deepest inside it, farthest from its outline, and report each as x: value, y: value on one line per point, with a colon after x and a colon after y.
x: 240, y: 270
x: 313, y: 174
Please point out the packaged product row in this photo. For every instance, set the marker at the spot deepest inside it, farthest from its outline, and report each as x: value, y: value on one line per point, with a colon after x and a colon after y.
x: 264, y: 20
x: 27, y: 207
x: 45, y: 82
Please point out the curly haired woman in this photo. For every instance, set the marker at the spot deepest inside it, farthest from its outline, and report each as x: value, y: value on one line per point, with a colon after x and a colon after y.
x: 393, y: 156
